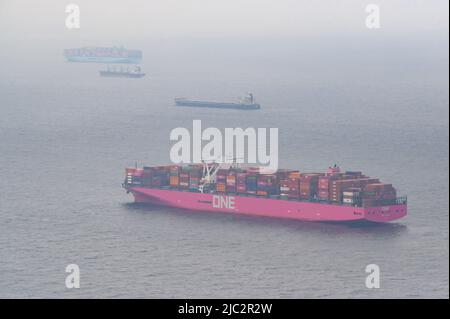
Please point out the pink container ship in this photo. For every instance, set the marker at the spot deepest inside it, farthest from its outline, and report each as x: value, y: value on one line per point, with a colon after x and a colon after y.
x: 333, y: 196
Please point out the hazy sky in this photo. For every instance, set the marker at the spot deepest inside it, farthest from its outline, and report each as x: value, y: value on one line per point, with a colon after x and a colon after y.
x: 109, y: 19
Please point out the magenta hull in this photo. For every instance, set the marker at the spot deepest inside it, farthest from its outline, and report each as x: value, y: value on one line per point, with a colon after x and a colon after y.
x: 258, y: 206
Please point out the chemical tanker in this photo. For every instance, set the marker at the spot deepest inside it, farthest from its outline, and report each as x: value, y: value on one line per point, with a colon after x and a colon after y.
x: 331, y: 196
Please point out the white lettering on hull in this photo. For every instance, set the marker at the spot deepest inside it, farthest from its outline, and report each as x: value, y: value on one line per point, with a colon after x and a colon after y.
x: 223, y: 202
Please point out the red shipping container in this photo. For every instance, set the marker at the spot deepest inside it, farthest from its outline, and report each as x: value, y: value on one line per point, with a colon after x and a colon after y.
x: 309, y: 181
x: 287, y: 185
x: 231, y: 179
x: 367, y: 180
x: 130, y: 171
x: 220, y: 187
x: 323, y: 194
x: 306, y: 194
x: 324, y: 182
x: 378, y: 186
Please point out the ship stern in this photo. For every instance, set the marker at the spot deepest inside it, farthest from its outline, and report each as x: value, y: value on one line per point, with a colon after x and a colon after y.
x: 383, y: 214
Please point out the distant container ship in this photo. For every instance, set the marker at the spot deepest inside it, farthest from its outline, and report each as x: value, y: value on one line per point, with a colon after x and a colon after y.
x: 103, y: 55
x: 121, y: 73
x: 245, y: 103
x: 332, y: 196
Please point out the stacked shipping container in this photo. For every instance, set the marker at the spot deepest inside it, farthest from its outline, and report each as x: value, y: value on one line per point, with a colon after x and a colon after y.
x: 374, y: 192
x: 290, y: 187
x: 266, y: 185
x: 308, y: 185
x: 231, y: 182
x: 349, y: 188
x: 252, y: 183
x: 194, y: 179
x: 155, y: 176
x: 351, y: 196
x: 337, y: 187
x: 221, y: 180
x: 324, y: 183
x: 241, y: 182
x: 174, y: 178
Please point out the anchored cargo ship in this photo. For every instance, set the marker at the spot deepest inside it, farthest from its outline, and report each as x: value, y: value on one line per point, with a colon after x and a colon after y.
x: 103, y: 55
x: 331, y: 196
x: 121, y: 73
x: 245, y: 103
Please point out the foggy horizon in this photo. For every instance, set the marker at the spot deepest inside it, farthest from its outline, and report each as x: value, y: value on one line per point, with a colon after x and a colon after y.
x: 78, y: 127
x: 111, y: 20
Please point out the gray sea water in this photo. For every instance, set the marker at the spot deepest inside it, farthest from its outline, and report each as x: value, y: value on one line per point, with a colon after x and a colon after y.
x: 66, y: 135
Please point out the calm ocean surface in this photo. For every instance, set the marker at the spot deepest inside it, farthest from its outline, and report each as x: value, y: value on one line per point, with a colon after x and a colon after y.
x: 66, y: 136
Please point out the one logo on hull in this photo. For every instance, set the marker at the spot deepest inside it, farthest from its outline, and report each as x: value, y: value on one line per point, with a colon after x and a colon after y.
x: 223, y: 202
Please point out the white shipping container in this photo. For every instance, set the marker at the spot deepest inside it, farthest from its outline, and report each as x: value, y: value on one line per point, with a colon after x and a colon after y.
x: 351, y: 194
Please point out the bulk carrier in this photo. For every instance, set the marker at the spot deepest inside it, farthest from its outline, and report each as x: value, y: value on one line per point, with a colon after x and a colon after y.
x: 245, y: 103
x: 333, y: 196
x: 121, y: 73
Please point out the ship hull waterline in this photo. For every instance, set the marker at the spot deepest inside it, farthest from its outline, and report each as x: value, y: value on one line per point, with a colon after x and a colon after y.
x: 266, y: 207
